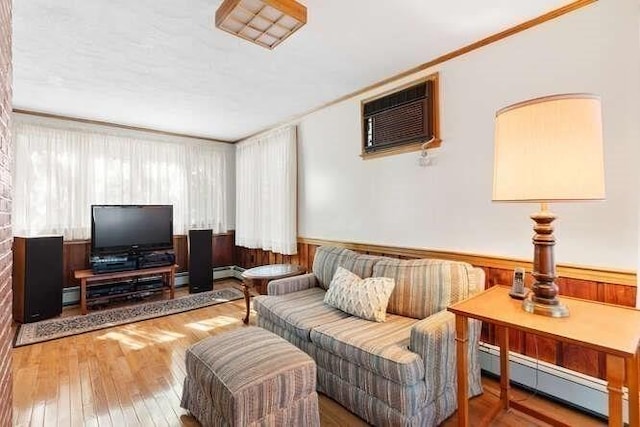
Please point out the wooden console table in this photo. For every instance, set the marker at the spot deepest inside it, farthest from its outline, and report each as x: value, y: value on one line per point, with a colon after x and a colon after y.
x: 263, y: 274
x: 611, y: 329
x: 88, y: 277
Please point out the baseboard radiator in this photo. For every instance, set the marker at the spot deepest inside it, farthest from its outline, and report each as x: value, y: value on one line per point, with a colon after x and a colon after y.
x: 573, y: 388
x: 237, y: 272
x: 71, y: 295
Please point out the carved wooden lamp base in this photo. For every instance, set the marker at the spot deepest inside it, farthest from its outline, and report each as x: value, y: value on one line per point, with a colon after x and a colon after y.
x: 551, y: 310
x: 544, y: 299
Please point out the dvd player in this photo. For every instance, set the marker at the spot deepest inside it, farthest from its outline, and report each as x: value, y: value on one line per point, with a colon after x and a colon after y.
x: 156, y: 259
x: 112, y: 263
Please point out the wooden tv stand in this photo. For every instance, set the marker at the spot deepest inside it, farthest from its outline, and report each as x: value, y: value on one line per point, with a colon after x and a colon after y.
x: 88, y: 278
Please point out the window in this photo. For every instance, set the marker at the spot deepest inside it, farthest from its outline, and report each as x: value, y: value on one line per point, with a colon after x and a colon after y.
x: 266, y: 191
x: 401, y: 121
x: 62, y: 168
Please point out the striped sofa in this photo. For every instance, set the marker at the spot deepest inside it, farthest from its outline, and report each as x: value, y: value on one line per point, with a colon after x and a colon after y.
x: 400, y: 372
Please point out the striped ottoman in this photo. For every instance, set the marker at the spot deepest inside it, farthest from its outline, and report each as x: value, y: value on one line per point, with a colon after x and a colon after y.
x: 250, y: 377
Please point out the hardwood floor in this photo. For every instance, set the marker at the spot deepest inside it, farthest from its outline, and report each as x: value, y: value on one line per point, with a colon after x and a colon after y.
x: 132, y: 375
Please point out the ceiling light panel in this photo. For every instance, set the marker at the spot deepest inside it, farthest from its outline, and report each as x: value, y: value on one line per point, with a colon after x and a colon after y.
x: 266, y: 23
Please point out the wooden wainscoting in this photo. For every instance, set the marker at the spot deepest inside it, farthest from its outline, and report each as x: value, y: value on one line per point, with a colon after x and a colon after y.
x: 76, y: 254
x: 604, y: 285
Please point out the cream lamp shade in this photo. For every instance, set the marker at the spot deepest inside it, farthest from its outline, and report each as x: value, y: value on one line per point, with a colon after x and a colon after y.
x: 549, y: 149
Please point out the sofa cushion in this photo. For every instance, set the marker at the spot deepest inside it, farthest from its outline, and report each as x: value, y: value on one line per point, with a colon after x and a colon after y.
x: 424, y: 286
x: 359, y: 264
x: 328, y: 258
x: 381, y: 348
x: 365, y: 298
x: 326, y: 262
x: 298, y: 312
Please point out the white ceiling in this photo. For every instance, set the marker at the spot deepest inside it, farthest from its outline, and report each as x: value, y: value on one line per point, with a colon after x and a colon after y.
x: 160, y: 64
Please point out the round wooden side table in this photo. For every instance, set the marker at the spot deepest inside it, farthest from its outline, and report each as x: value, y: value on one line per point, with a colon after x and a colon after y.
x: 262, y: 275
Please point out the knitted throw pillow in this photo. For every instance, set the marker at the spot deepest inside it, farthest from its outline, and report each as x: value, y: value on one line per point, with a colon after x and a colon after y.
x: 364, y: 298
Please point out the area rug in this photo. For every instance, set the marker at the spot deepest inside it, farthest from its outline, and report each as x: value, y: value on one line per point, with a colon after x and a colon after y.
x: 31, y: 333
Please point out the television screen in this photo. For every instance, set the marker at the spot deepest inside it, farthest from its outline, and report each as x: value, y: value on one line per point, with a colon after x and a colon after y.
x: 131, y: 228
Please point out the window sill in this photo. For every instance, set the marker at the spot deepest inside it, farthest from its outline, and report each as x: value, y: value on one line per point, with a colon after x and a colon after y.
x: 409, y: 148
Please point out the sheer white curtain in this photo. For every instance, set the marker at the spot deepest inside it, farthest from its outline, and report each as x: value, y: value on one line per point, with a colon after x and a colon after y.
x: 60, y: 172
x: 266, y: 189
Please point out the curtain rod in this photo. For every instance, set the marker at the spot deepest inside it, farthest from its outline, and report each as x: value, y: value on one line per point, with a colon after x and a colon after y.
x: 115, y: 125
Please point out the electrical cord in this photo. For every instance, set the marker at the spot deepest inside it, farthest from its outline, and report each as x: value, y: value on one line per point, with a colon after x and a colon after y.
x: 535, y: 387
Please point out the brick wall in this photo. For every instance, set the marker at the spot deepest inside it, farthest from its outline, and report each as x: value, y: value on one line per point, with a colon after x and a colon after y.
x: 5, y: 214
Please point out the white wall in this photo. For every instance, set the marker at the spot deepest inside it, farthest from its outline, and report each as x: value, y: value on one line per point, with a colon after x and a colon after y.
x: 448, y: 206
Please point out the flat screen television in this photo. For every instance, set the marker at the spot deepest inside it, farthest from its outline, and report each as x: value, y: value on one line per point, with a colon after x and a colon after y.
x: 131, y: 228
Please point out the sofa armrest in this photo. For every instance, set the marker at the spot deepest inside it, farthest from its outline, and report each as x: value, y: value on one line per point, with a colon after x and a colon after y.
x: 292, y: 284
x: 477, y: 282
x: 433, y: 338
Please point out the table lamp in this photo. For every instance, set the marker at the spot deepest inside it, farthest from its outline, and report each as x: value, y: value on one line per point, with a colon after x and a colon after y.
x: 548, y: 150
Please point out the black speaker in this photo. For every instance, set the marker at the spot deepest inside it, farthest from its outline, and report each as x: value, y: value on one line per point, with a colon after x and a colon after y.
x: 37, y: 278
x: 200, y: 260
